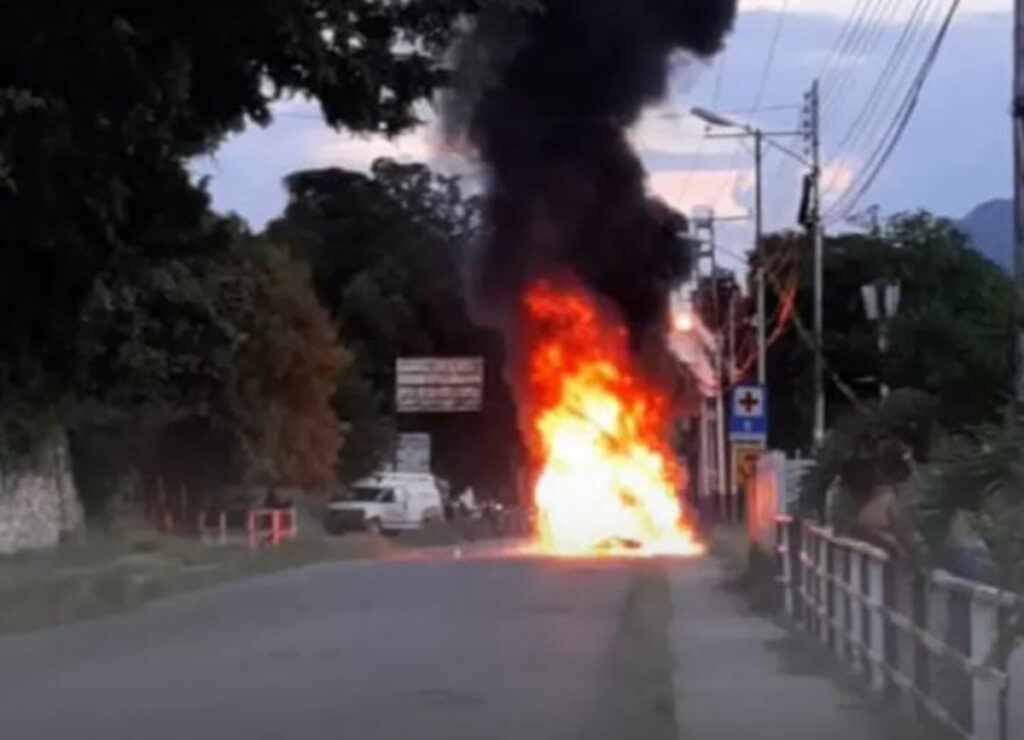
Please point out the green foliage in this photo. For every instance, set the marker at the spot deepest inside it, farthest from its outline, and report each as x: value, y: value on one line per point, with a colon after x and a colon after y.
x: 950, y: 338
x: 103, y: 103
x: 368, y: 432
x: 979, y: 473
x: 868, y: 447
x: 284, y: 376
x: 229, y: 351
x: 388, y: 252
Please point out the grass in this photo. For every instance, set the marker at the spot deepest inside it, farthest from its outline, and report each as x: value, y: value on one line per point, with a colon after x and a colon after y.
x: 105, y: 573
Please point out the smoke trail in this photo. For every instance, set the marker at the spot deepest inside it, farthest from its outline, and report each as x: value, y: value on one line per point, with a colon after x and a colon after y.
x: 546, y: 95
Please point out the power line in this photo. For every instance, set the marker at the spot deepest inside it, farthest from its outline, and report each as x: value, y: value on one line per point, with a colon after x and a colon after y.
x: 861, y: 43
x: 886, y: 77
x: 685, y: 187
x: 856, y: 32
x: 900, y: 122
x: 780, y: 22
x: 847, y: 31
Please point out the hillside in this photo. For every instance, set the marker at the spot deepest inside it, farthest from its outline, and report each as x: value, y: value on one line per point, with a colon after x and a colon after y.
x: 990, y: 228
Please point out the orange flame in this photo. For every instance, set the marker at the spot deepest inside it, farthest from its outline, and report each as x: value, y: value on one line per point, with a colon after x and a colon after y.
x: 606, y: 477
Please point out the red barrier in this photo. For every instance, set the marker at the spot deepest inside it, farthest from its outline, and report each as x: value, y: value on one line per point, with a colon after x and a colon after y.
x: 270, y: 527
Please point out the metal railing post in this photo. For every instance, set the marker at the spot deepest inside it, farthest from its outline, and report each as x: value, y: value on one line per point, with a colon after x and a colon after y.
x: 856, y: 613
x: 986, y: 689
x: 785, y: 566
x: 877, y: 604
x: 936, y: 623
x: 824, y: 588
x: 840, y: 600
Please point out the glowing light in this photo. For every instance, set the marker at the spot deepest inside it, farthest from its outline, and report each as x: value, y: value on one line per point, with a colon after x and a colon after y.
x: 683, y: 321
x: 606, y: 477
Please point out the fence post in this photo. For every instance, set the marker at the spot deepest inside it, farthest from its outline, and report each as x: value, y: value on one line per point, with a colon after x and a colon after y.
x: 824, y: 602
x: 856, y: 612
x: 805, y: 579
x: 936, y: 622
x: 840, y: 599
x: 876, y: 602
x: 785, y: 544
x: 986, y: 689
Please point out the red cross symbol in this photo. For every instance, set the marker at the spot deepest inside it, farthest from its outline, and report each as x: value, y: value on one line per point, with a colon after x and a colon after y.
x: 749, y: 402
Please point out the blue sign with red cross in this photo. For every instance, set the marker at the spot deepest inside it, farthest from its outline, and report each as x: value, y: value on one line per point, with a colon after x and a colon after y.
x: 748, y: 413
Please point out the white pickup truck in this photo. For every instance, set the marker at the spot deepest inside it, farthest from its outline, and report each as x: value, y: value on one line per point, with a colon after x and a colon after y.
x: 386, y: 502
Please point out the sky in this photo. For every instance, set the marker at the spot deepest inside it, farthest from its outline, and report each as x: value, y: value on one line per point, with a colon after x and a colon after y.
x: 955, y: 153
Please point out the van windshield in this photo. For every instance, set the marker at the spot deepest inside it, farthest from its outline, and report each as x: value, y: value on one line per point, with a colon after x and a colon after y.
x: 370, y: 495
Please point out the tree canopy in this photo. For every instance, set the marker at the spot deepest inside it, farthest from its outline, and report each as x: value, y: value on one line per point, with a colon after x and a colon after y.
x: 207, y: 370
x: 389, y: 256
x: 949, y: 339
x: 103, y: 103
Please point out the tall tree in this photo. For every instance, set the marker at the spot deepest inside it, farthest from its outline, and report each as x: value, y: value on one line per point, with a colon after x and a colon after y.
x: 389, y: 257
x: 948, y: 340
x: 207, y: 369
x: 102, y: 103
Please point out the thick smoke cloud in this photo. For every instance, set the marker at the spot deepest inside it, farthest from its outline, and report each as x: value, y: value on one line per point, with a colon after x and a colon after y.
x: 545, y: 96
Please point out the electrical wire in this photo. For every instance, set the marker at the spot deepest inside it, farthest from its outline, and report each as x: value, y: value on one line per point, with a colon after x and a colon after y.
x: 884, y: 86
x: 730, y: 184
x: 847, y: 32
x: 862, y: 43
x: 848, y: 201
x: 684, y: 190
x: 858, y: 32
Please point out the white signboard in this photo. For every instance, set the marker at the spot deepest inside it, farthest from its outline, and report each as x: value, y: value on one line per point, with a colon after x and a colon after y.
x: 439, y: 384
x: 412, y: 455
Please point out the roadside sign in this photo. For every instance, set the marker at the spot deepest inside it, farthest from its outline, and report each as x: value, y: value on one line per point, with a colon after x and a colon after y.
x: 439, y: 384
x: 748, y: 414
x: 744, y: 463
x: 412, y: 453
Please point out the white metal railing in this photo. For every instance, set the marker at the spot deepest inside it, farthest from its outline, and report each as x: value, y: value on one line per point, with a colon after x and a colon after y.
x: 928, y: 639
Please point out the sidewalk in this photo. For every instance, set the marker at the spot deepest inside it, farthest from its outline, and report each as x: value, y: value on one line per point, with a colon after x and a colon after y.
x: 742, y: 676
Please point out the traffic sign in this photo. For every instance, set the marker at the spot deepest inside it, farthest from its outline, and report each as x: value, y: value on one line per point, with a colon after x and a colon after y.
x: 748, y: 414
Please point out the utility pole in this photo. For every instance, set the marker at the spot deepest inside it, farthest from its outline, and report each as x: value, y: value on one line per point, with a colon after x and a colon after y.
x: 761, y: 138
x: 762, y: 332
x: 1018, y: 196
x: 818, y: 238
x: 712, y: 445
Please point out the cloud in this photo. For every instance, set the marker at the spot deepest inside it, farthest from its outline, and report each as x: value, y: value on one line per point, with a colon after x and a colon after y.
x: 950, y: 159
x: 691, y: 189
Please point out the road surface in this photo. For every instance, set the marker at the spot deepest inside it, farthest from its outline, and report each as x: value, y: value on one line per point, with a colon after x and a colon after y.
x: 516, y: 648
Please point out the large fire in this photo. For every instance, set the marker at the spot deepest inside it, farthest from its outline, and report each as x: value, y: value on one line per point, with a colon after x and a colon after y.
x: 607, y: 479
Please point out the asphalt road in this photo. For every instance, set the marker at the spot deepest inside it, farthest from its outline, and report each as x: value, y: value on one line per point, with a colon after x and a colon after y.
x: 479, y: 648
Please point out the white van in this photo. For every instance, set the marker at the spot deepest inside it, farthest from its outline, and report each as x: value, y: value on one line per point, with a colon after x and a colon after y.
x: 387, y: 502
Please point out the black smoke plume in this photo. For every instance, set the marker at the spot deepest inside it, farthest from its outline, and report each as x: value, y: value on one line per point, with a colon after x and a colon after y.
x: 546, y: 94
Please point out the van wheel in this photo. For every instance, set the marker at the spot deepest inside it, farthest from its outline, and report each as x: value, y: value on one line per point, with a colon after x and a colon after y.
x: 373, y: 526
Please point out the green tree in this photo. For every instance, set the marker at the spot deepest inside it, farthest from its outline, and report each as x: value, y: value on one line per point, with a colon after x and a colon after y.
x: 949, y: 339
x: 103, y: 103
x: 226, y: 363
x: 389, y: 253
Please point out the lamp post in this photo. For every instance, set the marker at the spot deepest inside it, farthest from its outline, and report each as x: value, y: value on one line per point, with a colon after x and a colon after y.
x: 761, y: 138
x: 881, y: 304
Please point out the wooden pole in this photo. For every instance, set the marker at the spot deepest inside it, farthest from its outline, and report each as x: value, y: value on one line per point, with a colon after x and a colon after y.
x: 1018, y: 196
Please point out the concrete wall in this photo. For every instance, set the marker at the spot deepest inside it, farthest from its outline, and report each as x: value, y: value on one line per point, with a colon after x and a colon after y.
x: 38, y: 508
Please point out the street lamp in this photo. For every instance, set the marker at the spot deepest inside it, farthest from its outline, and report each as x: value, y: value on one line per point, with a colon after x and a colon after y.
x: 760, y: 139
x: 881, y: 303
